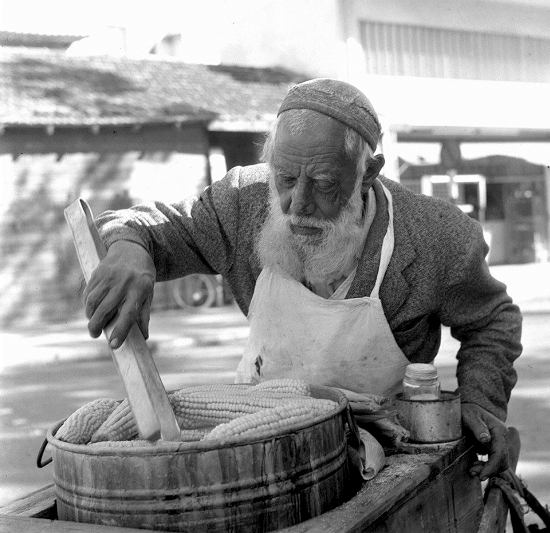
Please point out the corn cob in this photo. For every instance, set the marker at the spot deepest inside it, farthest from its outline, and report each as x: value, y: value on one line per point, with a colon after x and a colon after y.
x: 389, y: 432
x: 207, y: 410
x: 204, y: 406
x: 281, y: 417
x: 297, y: 387
x: 221, y: 387
x: 188, y: 435
x: 291, y: 387
x: 365, y: 403
x: 82, y: 424
x: 120, y: 425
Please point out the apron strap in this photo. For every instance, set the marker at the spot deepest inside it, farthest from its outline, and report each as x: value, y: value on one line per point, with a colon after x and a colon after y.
x: 387, y: 247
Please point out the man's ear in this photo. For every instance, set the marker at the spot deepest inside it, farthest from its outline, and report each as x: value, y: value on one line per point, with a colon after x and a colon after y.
x: 373, y: 170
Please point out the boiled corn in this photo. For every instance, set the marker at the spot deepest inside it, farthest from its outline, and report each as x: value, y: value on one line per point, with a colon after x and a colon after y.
x: 292, y: 386
x: 281, y: 417
x: 189, y: 435
x: 208, y: 410
x: 120, y: 425
x: 82, y: 424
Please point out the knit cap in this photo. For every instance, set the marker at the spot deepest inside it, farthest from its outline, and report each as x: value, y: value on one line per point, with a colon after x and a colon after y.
x: 338, y: 100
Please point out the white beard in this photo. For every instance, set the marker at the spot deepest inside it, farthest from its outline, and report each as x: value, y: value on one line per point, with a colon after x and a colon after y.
x: 318, y: 258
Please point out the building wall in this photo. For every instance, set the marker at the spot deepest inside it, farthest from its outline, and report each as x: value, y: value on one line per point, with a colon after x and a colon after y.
x: 500, y: 92
x: 475, y: 15
x: 304, y: 35
x: 40, y: 277
x: 322, y: 37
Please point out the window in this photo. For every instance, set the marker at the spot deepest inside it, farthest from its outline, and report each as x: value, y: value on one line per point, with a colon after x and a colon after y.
x: 403, y: 50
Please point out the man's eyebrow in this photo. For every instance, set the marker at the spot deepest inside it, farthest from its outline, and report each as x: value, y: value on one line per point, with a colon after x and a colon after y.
x: 280, y: 170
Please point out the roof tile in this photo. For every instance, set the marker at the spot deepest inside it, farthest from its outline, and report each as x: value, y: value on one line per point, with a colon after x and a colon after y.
x: 38, y: 88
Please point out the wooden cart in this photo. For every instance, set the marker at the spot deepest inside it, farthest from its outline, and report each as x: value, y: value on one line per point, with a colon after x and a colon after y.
x: 426, y: 490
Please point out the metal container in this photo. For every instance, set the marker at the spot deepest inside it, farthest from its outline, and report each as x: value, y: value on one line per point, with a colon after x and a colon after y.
x: 431, y: 420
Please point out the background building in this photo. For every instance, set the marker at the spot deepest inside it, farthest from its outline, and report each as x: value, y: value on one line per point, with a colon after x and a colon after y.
x: 154, y: 104
x: 116, y: 131
x: 462, y: 90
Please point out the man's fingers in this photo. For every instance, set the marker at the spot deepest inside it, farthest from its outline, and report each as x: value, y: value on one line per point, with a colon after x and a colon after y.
x: 101, y: 313
x: 476, y: 468
x: 498, y: 456
x: 93, y: 298
x: 477, y: 426
x: 497, y: 463
x: 492, y: 434
x: 144, y: 316
x: 126, y: 317
x: 120, y: 291
x: 494, y: 466
x: 123, y: 311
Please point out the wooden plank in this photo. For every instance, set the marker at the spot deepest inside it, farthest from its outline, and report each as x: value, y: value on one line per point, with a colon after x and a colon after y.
x: 9, y: 524
x: 147, y: 397
x: 38, y: 504
x: 374, y: 499
x: 402, y: 489
x: 451, y: 503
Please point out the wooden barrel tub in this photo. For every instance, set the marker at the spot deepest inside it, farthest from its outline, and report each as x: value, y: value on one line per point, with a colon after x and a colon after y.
x: 257, y: 485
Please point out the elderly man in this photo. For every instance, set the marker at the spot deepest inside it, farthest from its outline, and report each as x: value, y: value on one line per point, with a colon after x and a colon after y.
x: 345, y: 276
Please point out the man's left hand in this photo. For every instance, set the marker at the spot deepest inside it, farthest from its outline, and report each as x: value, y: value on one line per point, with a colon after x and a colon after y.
x: 492, y: 434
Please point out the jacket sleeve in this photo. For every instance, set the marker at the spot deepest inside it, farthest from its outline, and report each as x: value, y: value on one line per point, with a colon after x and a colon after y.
x: 196, y: 235
x: 484, y: 319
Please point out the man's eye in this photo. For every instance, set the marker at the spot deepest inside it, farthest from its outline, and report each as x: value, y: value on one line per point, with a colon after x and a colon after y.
x: 285, y: 179
x: 325, y: 186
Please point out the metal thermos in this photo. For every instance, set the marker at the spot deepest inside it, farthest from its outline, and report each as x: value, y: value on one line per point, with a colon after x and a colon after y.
x: 431, y: 415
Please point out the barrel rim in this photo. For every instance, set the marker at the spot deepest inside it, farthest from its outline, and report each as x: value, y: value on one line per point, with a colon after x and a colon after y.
x: 169, y: 447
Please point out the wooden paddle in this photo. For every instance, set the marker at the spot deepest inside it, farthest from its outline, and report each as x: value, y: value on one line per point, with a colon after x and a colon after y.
x: 146, y: 393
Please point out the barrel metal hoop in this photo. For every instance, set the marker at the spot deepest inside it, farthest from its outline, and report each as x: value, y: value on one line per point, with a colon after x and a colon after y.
x: 39, y: 462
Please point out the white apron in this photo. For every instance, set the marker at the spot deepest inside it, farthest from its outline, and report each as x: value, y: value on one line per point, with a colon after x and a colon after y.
x: 340, y: 343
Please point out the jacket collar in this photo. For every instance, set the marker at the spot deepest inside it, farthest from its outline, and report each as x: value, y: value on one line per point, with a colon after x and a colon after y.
x: 395, y: 286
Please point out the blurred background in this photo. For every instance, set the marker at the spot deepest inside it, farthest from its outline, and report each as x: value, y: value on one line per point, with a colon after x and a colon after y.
x: 120, y: 102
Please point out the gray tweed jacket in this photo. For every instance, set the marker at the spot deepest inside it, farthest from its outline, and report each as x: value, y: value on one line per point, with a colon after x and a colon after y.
x: 437, y: 274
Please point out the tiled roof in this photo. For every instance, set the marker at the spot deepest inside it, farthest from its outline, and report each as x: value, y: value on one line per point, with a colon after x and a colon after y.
x: 64, y: 90
x: 33, y: 40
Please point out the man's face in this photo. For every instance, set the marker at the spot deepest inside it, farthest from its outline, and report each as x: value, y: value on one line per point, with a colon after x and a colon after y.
x: 313, y: 176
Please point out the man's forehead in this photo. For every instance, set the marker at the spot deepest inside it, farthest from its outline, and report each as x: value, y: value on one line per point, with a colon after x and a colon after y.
x: 304, y: 149
x: 314, y: 168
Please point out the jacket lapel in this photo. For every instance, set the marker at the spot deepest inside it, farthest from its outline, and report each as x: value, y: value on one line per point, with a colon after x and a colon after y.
x: 395, y: 286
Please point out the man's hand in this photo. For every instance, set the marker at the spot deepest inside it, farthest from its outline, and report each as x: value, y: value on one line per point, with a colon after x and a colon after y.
x: 121, y: 289
x: 492, y: 434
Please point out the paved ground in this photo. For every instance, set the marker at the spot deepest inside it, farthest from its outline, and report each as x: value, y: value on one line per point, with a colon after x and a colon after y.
x: 47, y: 374
x: 171, y: 331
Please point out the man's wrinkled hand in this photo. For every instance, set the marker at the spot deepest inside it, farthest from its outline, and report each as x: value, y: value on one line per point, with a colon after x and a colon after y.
x: 121, y: 290
x: 492, y: 436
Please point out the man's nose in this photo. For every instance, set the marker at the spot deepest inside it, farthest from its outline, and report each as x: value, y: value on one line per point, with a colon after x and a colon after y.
x: 303, y: 203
